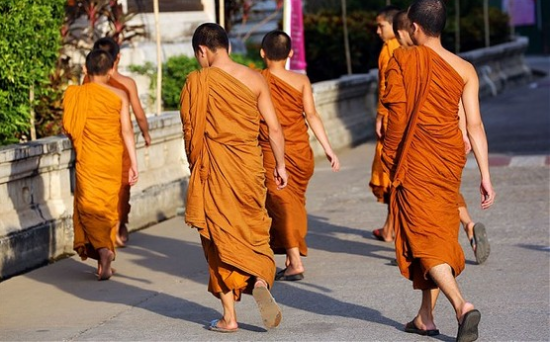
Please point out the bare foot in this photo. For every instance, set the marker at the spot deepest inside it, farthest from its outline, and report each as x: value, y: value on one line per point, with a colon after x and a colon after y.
x: 119, y: 242
x: 294, y: 269
x: 424, y: 323
x: 466, y: 307
x: 469, y: 229
x: 104, y: 270
x: 221, y: 325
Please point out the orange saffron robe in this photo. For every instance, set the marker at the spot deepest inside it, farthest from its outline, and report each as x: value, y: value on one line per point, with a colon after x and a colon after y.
x: 227, y: 192
x: 124, y: 194
x: 91, y: 119
x: 424, y: 154
x: 287, y: 207
x: 380, y: 181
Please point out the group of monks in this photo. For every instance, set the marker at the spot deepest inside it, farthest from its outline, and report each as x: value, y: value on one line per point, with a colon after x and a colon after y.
x: 428, y: 119
x: 246, y: 140
x: 97, y: 120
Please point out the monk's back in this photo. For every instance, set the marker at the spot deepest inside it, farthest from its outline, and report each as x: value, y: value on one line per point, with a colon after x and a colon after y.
x: 245, y: 75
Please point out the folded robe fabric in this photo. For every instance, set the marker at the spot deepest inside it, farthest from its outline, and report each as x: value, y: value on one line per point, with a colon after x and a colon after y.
x: 124, y: 194
x: 424, y: 154
x: 91, y: 119
x: 227, y: 192
x: 380, y: 181
x: 287, y: 207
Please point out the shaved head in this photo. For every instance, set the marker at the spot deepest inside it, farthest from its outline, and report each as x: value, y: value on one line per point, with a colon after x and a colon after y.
x: 276, y: 45
x: 211, y: 35
x: 431, y: 15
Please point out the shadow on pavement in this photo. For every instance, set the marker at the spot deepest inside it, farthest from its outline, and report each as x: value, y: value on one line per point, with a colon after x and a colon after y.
x: 77, y: 279
x: 322, y: 236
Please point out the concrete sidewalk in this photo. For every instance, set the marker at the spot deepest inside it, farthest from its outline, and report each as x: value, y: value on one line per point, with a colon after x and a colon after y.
x: 350, y: 292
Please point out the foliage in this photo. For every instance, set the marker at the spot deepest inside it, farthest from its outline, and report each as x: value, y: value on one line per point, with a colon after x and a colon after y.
x: 85, y: 21
x: 324, y: 44
x: 472, y: 33
x: 29, y: 44
x: 89, y: 20
x: 174, y: 74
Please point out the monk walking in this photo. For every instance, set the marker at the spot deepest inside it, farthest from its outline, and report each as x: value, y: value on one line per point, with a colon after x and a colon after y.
x: 97, y: 120
x: 424, y: 154
x: 128, y: 85
x: 293, y: 99
x: 221, y: 108
x: 380, y: 182
x: 475, y: 232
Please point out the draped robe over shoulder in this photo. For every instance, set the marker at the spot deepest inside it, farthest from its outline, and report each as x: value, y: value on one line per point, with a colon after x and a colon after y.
x: 91, y: 119
x: 380, y: 181
x: 287, y: 207
x: 227, y: 192
x: 424, y: 154
x: 124, y: 194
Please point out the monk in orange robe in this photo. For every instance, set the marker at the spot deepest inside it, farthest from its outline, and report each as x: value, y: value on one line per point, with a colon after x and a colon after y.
x: 424, y: 154
x: 97, y: 121
x: 128, y: 85
x: 475, y: 231
x: 380, y: 182
x: 293, y: 99
x: 221, y: 107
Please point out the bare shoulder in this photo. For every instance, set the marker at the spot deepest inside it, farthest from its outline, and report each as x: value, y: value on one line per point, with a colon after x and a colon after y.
x: 302, y: 80
x: 126, y: 81
x: 295, y: 79
x: 464, y: 68
x: 249, y: 77
x: 120, y: 93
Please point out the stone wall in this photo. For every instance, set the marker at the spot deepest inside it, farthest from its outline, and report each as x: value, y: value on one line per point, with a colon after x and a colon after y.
x: 37, y: 178
x: 36, y: 193
x: 500, y: 66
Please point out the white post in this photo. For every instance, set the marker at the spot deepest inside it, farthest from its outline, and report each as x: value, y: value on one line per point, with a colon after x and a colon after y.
x: 159, y: 58
x: 222, y: 13
x: 33, y: 116
x: 287, y: 17
x: 346, y: 39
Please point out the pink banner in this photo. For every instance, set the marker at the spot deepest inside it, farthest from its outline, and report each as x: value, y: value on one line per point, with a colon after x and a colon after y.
x: 521, y: 12
x: 298, y: 61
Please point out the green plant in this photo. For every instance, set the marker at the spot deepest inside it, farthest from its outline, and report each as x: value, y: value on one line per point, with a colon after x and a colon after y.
x: 49, y: 106
x: 324, y: 44
x: 29, y: 43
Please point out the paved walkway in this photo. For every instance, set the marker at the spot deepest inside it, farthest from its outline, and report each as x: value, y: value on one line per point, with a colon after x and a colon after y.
x: 351, y: 292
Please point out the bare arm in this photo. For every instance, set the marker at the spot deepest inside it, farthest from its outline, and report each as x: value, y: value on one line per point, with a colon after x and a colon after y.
x: 128, y: 137
x: 478, y: 139
x: 314, y: 121
x: 463, y: 128
x: 276, y: 137
x: 138, y: 112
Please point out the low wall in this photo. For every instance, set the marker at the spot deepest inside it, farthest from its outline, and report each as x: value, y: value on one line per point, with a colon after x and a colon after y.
x: 37, y: 178
x: 500, y: 66
x: 36, y: 193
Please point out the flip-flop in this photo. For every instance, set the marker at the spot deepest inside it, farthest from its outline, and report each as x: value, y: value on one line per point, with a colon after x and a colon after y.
x: 269, y: 310
x: 292, y: 277
x: 413, y: 329
x: 480, y: 243
x: 467, y: 330
x: 214, y: 327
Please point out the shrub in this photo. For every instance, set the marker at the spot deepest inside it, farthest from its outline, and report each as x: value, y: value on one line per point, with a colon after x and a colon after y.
x: 324, y: 44
x: 29, y: 43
